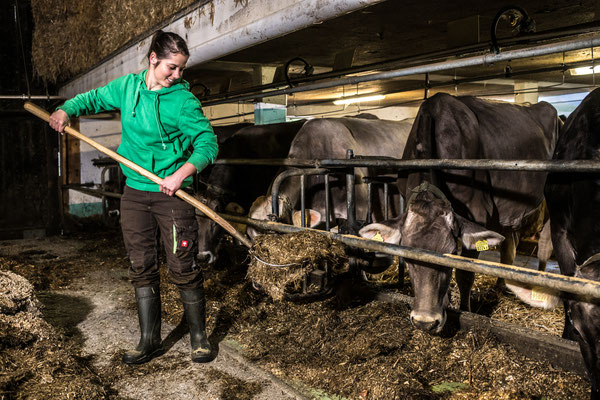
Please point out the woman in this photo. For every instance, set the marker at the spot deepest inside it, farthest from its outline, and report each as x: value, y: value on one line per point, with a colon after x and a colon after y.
x: 164, y: 131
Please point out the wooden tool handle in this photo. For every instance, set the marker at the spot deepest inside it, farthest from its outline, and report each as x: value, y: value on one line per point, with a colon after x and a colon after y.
x: 43, y: 114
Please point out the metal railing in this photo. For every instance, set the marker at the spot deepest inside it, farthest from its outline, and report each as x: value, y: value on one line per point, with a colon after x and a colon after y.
x: 478, y: 164
x: 585, y: 288
x: 580, y: 287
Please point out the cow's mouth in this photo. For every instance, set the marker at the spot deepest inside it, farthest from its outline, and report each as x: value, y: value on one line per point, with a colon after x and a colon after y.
x: 207, y: 257
x: 429, y: 322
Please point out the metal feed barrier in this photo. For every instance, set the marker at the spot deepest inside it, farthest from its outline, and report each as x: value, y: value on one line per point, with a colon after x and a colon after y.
x: 588, y: 289
x: 350, y: 194
x: 585, y: 288
x: 319, y: 279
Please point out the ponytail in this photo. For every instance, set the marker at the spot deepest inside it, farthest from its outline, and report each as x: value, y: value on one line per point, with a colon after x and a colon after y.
x: 164, y: 44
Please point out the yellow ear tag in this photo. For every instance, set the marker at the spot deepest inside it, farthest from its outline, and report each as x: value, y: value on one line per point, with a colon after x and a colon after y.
x: 538, y: 296
x: 482, y: 245
x: 378, y: 237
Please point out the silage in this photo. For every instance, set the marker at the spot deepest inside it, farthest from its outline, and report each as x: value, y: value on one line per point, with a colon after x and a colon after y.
x: 340, y: 346
x: 280, y: 264
x: 35, y: 361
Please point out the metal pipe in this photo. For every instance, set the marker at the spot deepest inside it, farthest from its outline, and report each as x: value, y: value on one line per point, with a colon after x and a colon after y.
x: 369, y: 218
x: 350, y: 192
x: 486, y: 59
x: 327, y: 200
x: 578, y: 286
x: 303, y: 199
x: 272, y: 162
x: 25, y: 97
x: 102, y: 183
x: 283, y: 176
x: 453, y: 82
x: 480, y: 164
x: 398, y: 62
x: 385, y: 200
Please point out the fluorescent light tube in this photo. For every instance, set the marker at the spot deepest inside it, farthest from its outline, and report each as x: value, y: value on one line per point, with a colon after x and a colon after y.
x: 585, y: 70
x: 351, y: 100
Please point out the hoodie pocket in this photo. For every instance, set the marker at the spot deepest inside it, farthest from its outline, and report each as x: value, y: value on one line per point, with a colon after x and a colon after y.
x: 139, y: 156
x: 167, y: 161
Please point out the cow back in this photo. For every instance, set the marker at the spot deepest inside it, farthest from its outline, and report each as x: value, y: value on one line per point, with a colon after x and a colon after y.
x: 574, y: 198
x: 331, y: 137
x: 449, y: 127
x: 245, y: 183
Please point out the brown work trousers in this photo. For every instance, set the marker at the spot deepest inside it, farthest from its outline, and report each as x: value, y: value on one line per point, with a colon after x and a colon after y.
x: 143, y: 214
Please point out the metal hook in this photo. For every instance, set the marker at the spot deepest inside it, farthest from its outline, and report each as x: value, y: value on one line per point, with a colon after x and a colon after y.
x: 524, y: 24
x: 308, y: 69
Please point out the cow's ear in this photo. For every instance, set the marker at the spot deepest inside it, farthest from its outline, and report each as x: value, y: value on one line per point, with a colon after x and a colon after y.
x: 386, y: 231
x: 235, y: 209
x: 257, y: 205
x: 313, y: 218
x: 475, y: 236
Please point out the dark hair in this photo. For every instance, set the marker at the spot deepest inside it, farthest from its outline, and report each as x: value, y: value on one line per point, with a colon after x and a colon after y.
x: 166, y: 43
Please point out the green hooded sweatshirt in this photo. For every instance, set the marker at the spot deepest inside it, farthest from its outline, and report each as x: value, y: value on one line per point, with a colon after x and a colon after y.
x: 161, y: 129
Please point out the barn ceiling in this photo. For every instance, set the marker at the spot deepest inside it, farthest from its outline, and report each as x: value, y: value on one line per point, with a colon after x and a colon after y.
x: 396, y: 34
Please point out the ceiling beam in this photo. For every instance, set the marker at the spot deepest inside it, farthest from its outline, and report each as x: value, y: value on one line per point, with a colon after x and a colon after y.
x: 218, y: 28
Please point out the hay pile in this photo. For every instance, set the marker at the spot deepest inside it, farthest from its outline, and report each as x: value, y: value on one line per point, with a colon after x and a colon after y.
x: 488, y: 300
x: 344, y: 346
x: 72, y: 36
x: 389, y: 276
x: 35, y: 361
x: 357, y: 348
x: 280, y: 263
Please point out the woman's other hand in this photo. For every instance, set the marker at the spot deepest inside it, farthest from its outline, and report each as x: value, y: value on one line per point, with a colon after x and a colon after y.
x: 59, y: 120
x: 170, y: 184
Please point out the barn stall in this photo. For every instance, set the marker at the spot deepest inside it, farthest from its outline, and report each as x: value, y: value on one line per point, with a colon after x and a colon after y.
x: 349, y: 344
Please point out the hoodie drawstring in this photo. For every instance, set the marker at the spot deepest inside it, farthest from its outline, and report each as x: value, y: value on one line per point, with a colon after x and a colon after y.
x: 160, y: 128
x: 136, y: 98
x: 161, y: 131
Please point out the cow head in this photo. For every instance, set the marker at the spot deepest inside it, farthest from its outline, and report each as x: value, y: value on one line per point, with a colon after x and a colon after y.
x: 262, y: 209
x: 586, y: 316
x: 430, y: 224
x: 208, y: 230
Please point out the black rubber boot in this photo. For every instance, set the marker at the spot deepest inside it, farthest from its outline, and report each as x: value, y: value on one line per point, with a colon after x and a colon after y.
x: 150, y: 345
x: 195, y: 314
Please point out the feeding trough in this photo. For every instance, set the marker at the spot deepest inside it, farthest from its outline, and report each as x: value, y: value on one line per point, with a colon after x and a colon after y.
x: 296, y: 266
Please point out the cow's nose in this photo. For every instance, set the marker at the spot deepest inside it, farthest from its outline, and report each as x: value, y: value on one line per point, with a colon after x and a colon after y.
x: 207, y: 257
x: 428, y: 322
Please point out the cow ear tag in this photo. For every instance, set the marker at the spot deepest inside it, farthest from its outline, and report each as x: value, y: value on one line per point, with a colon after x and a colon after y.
x: 377, y: 237
x: 537, y: 295
x: 482, y: 245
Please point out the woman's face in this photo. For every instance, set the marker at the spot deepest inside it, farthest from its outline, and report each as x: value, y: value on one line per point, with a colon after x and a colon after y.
x: 167, y: 70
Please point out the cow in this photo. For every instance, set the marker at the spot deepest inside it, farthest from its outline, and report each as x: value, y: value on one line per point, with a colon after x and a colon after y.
x: 471, y: 205
x: 233, y: 188
x: 330, y: 138
x: 536, y: 296
x: 223, y: 132
x: 574, y: 206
